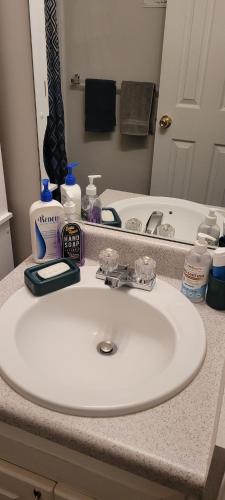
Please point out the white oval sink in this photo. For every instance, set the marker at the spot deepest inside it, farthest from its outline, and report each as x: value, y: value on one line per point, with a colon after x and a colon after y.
x: 185, y: 216
x: 49, y: 346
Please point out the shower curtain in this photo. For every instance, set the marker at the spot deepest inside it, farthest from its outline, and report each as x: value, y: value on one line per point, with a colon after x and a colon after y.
x: 54, y: 150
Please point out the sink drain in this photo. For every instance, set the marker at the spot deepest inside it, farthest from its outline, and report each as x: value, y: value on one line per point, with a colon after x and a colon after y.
x: 106, y: 347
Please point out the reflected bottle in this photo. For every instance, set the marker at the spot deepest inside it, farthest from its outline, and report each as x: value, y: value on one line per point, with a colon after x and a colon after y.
x: 91, y: 207
x: 210, y: 227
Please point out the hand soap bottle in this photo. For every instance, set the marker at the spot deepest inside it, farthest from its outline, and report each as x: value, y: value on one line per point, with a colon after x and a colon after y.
x: 71, y: 190
x: 196, y: 271
x: 45, y: 217
x: 71, y: 235
x: 91, y: 203
x: 210, y: 226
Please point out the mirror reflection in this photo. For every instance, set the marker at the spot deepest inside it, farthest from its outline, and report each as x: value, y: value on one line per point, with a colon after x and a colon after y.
x: 164, y: 180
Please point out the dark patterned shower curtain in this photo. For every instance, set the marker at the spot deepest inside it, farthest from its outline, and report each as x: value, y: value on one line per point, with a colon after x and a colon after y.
x: 54, y: 150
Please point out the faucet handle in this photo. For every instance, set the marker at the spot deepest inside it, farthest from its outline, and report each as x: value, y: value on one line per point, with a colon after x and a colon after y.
x: 108, y: 260
x: 144, y: 269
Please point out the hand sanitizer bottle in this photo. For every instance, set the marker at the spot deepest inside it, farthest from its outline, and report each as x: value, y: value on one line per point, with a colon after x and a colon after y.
x: 45, y: 217
x: 210, y: 226
x: 91, y: 204
x: 196, y: 270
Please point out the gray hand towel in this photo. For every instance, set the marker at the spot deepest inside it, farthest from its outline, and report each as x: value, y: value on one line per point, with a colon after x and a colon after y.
x: 136, y: 103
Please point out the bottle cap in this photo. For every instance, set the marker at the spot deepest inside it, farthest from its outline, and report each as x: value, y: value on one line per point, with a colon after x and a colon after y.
x: 200, y: 245
x: 70, y: 179
x: 208, y: 238
x: 219, y: 257
x: 46, y: 194
x: 211, y: 218
x: 91, y: 189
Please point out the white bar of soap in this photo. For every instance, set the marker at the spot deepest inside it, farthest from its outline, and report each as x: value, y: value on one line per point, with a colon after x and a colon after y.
x: 107, y: 216
x: 54, y: 270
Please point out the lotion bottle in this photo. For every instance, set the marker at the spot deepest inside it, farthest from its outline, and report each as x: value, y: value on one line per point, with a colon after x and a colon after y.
x: 196, y: 271
x: 45, y: 217
x: 71, y: 190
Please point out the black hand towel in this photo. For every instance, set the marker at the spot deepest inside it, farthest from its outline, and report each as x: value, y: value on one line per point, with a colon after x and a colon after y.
x: 100, y: 105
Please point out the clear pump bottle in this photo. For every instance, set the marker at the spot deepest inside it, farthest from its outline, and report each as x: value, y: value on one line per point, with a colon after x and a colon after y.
x: 91, y: 207
x: 210, y: 226
x: 196, y: 271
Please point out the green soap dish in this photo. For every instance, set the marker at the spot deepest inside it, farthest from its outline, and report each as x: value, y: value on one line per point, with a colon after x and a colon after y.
x: 51, y: 276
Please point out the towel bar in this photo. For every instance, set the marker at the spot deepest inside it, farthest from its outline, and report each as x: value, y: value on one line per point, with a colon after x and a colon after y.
x: 77, y: 83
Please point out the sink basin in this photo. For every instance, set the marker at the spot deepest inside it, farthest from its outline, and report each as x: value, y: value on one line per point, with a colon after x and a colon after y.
x: 185, y: 216
x: 50, y: 347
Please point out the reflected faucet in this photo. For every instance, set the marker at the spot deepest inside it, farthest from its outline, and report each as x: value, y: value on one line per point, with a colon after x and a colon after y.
x: 154, y: 221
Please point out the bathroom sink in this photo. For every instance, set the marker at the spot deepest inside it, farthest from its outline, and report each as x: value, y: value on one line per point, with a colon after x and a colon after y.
x: 185, y: 216
x: 94, y: 351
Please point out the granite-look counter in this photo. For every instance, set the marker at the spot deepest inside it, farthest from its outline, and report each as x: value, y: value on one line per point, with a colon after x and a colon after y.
x: 172, y: 443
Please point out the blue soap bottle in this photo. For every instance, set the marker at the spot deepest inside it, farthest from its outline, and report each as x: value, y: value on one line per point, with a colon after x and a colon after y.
x: 218, y: 268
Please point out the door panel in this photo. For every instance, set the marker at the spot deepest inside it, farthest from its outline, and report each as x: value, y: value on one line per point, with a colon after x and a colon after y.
x: 19, y: 484
x: 63, y: 492
x: 189, y: 156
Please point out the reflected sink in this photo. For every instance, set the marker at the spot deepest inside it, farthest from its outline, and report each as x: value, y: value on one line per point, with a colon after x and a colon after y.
x: 185, y: 216
x: 50, y: 346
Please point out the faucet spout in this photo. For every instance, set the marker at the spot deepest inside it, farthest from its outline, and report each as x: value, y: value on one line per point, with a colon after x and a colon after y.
x: 118, y: 278
x: 113, y: 282
x: 154, y: 221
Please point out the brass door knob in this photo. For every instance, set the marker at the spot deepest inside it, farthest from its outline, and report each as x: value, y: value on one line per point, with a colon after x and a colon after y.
x: 165, y: 121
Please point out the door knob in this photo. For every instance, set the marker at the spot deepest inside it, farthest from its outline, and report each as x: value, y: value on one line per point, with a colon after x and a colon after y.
x: 165, y: 121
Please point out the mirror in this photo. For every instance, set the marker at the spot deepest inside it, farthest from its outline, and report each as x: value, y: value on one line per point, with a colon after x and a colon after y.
x: 180, y: 170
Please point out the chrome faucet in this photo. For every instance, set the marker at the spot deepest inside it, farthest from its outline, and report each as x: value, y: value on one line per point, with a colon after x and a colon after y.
x: 142, y: 276
x: 154, y: 221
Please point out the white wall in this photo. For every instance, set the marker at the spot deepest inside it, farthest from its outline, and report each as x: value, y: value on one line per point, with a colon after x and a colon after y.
x: 18, y: 129
x: 114, y: 39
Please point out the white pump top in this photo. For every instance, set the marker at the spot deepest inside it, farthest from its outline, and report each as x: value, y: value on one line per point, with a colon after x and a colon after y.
x: 211, y: 218
x: 200, y: 245
x: 219, y: 257
x: 209, y: 239
x: 91, y: 189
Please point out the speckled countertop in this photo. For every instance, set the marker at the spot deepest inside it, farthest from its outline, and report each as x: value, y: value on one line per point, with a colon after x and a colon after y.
x: 171, y: 443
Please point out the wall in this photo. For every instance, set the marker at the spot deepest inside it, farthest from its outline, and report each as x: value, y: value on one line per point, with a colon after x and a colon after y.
x: 18, y: 134
x: 118, y: 40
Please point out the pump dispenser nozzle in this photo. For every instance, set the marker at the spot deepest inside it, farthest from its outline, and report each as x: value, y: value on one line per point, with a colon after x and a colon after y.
x: 70, y: 179
x: 91, y: 189
x: 46, y: 194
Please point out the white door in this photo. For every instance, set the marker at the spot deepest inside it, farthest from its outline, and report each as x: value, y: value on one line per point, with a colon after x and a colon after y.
x: 189, y: 156
x: 18, y: 484
x: 6, y: 255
